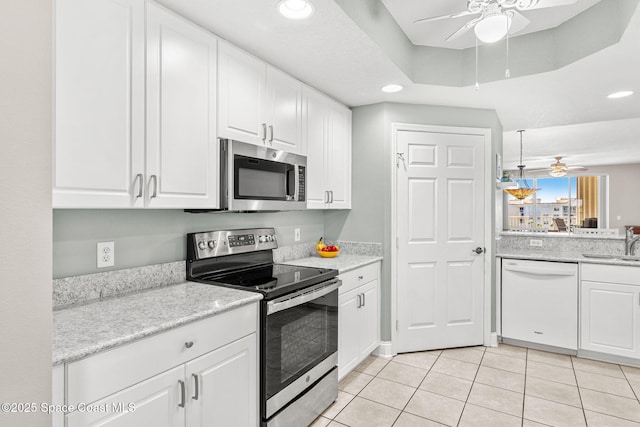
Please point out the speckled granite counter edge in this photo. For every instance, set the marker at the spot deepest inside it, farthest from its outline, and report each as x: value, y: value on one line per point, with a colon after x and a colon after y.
x: 64, y: 333
x: 342, y: 263
x: 565, y: 257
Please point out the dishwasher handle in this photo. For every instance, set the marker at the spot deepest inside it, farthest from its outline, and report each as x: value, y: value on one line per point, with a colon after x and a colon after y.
x: 537, y: 271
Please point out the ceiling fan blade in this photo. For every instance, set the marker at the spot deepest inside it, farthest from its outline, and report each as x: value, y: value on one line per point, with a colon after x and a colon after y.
x: 463, y: 29
x: 518, y: 21
x: 454, y: 15
x: 541, y: 4
x: 577, y: 168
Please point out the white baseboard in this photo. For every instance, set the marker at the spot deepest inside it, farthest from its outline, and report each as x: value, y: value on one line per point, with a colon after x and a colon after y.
x: 385, y: 349
x: 493, y: 339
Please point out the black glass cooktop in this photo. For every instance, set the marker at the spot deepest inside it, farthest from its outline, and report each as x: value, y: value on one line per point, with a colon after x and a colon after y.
x: 271, y: 280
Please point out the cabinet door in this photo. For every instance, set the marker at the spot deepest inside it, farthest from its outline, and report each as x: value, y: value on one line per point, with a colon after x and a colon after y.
x: 348, y: 331
x: 98, y: 152
x: 156, y: 402
x: 369, y: 339
x: 338, y: 163
x: 241, y: 96
x: 182, y: 154
x: 609, y: 318
x: 284, y: 112
x: 226, y: 392
x: 314, y: 129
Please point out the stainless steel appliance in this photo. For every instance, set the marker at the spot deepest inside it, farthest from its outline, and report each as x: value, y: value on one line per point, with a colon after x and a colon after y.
x: 298, y: 315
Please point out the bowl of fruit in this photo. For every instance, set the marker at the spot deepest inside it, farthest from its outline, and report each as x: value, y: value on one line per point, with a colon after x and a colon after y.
x: 327, y: 251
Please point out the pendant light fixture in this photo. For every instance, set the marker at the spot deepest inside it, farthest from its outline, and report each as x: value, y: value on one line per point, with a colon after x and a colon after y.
x: 523, y: 191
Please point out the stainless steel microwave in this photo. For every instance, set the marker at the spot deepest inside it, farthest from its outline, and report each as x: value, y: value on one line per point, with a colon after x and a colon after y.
x: 255, y: 178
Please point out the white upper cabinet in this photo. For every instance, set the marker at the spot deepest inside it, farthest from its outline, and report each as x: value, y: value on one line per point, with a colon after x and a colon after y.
x: 182, y: 154
x: 98, y: 156
x: 327, y: 133
x: 101, y: 156
x: 241, y: 96
x: 258, y: 104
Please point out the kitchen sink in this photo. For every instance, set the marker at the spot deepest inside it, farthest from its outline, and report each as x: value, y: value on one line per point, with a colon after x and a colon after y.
x: 618, y: 257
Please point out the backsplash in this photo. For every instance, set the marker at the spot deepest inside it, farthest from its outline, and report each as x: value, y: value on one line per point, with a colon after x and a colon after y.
x: 566, y: 244
x: 80, y: 289
x: 75, y: 290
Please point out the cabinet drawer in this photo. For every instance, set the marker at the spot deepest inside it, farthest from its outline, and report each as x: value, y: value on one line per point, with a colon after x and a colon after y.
x: 354, y: 278
x: 105, y: 373
x: 628, y: 275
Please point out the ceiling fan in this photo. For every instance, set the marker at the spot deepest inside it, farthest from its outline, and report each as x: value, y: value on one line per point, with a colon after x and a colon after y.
x: 497, y: 17
x: 559, y: 168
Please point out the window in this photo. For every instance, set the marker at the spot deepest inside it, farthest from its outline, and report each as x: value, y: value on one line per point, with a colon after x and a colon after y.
x: 577, y: 200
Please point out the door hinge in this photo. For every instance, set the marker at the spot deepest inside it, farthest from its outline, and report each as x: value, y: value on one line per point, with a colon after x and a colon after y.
x: 397, y: 326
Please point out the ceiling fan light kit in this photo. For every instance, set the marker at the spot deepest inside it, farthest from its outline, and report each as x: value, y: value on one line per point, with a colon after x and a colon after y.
x: 494, y: 25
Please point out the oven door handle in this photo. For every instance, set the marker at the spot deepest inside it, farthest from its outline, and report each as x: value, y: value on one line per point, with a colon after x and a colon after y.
x: 301, y: 298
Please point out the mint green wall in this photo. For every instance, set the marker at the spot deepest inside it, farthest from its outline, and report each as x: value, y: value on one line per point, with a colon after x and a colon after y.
x: 144, y: 237
x: 370, y: 218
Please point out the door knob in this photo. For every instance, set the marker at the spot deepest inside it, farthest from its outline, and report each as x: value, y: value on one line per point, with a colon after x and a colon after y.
x: 479, y: 250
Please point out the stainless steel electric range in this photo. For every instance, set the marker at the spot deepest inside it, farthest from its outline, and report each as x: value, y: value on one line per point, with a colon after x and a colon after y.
x: 298, y: 319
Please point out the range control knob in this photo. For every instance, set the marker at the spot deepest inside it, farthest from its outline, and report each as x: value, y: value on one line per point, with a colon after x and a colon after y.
x: 212, y: 244
x: 262, y: 239
x: 269, y: 237
x: 202, y: 245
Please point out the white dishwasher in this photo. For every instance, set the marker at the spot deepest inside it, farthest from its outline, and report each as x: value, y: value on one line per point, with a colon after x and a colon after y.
x: 540, y: 302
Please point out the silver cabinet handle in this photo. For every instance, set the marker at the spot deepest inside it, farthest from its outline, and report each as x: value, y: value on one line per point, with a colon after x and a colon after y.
x: 270, y: 133
x: 326, y: 197
x: 364, y: 299
x: 182, y: 394
x: 140, y: 181
x: 196, y: 380
x: 264, y: 132
x: 331, y: 193
x: 359, y: 300
x: 154, y: 193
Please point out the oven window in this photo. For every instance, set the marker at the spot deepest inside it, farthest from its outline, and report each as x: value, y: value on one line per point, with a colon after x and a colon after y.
x: 299, y: 338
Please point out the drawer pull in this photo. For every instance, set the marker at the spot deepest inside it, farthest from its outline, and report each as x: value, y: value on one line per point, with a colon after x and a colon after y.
x: 196, y: 380
x: 182, y: 394
x: 188, y: 344
x: 364, y: 301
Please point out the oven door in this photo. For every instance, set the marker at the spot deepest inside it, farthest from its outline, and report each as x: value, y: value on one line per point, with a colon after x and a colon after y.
x: 299, y: 343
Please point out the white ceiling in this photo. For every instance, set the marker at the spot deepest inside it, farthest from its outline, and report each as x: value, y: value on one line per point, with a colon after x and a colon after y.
x: 566, y: 111
x: 434, y: 33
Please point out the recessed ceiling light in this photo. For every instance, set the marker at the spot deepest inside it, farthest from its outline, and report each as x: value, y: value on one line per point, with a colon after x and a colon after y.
x: 295, y: 9
x: 620, y: 94
x: 392, y: 88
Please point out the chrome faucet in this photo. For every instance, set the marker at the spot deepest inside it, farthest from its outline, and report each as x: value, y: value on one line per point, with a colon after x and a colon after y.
x: 630, y: 241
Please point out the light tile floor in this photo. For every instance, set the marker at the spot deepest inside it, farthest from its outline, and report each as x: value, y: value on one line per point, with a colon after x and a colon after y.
x: 485, y: 386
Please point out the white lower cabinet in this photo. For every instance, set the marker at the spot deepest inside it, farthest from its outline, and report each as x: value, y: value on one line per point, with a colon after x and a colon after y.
x: 201, y: 374
x: 358, y: 316
x: 610, y: 310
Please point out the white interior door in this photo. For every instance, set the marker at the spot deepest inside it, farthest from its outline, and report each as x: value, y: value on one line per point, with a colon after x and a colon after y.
x: 440, y: 222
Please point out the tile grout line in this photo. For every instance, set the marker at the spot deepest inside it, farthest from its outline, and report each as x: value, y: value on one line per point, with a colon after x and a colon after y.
x: 473, y: 382
x: 524, y: 389
x: 415, y: 391
x: 584, y: 414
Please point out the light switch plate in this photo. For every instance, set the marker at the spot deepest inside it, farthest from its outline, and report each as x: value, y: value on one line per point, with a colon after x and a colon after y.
x: 296, y: 234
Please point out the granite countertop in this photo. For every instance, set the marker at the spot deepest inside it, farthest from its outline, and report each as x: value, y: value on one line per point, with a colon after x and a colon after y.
x: 342, y: 263
x: 90, y: 328
x: 561, y: 256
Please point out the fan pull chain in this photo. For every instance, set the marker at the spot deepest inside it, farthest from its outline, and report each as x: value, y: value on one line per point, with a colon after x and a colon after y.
x: 507, y: 72
x: 477, y: 84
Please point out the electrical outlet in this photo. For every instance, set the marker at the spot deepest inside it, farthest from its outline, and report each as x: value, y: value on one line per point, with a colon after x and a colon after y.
x: 106, y: 254
x: 535, y: 242
x: 296, y: 234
